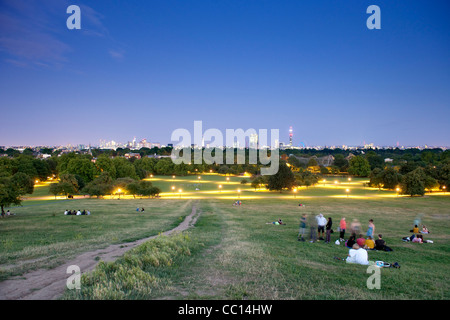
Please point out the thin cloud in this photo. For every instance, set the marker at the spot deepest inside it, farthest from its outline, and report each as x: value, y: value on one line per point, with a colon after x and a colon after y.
x: 31, y: 33
x: 117, y: 54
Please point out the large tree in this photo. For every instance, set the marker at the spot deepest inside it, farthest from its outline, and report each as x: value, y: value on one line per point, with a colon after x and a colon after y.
x: 100, y: 186
x: 359, y: 166
x: 283, y: 179
x: 13, y: 188
x: 413, y: 183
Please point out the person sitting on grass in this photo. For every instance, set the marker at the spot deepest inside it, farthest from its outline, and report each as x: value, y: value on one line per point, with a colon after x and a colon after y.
x: 380, y: 244
x: 425, y: 230
x: 415, y: 229
x: 357, y: 255
x: 350, y: 242
x: 370, y: 244
x: 361, y: 241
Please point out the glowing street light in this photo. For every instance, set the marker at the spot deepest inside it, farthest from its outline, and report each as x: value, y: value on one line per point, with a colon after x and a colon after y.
x: 173, y: 189
x: 444, y: 187
x: 228, y: 179
x: 220, y: 188
x: 349, y: 179
x: 295, y: 192
x: 335, y: 182
x: 398, y: 191
x: 180, y: 190
x: 347, y: 190
x: 239, y: 193
x: 119, y: 191
x: 173, y: 177
x: 199, y: 177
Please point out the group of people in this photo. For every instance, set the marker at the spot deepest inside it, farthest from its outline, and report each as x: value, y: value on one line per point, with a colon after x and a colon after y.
x: 417, y: 236
x: 77, y: 213
x: 320, y: 228
x: 7, y: 214
x: 141, y: 209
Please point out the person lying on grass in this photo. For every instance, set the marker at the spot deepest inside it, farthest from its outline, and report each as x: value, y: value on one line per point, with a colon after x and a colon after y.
x: 418, y: 239
x: 279, y: 222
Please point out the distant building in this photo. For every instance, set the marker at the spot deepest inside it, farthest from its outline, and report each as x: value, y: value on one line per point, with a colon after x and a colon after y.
x: 132, y: 155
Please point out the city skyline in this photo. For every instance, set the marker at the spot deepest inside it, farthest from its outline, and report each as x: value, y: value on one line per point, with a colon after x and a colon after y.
x: 146, y: 70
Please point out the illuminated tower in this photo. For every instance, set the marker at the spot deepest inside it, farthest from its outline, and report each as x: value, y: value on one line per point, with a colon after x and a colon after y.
x: 290, y: 137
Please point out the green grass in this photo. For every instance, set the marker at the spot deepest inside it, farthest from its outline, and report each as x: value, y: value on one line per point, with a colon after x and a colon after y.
x: 232, y: 253
x: 40, y: 235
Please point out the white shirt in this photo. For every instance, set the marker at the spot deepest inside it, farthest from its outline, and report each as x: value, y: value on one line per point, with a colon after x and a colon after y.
x: 358, y: 256
x: 321, y: 221
x: 79, y: 213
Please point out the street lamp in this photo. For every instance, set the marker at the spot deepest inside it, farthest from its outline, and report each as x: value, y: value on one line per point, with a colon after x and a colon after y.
x: 228, y: 179
x: 180, y: 192
x: 335, y: 182
x: 173, y: 189
x: 398, y: 191
x: 347, y: 190
x: 199, y: 177
x: 295, y: 192
x: 239, y: 193
x: 173, y: 177
x: 220, y: 188
x: 119, y: 191
x: 444, y: 187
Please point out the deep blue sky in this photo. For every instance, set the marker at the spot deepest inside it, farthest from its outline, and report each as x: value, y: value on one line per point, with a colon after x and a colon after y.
x: 145, y: 68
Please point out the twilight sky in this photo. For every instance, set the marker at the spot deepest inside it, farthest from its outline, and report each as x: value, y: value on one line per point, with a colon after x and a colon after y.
x: 145, y: 68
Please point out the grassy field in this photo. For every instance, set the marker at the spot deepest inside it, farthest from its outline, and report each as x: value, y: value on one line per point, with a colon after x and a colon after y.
x: 232, y: 253
x: 40, y: 235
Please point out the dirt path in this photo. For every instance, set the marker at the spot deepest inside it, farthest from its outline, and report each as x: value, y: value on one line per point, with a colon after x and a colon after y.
x: 50, y: 284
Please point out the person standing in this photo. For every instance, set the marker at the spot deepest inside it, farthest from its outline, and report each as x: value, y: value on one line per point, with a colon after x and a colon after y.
x: 321, y: 222
x: 312, y: 222
x: 342, y: 227
x: 370, y: 229
x: 302, y: 230
x: 328, y: 229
